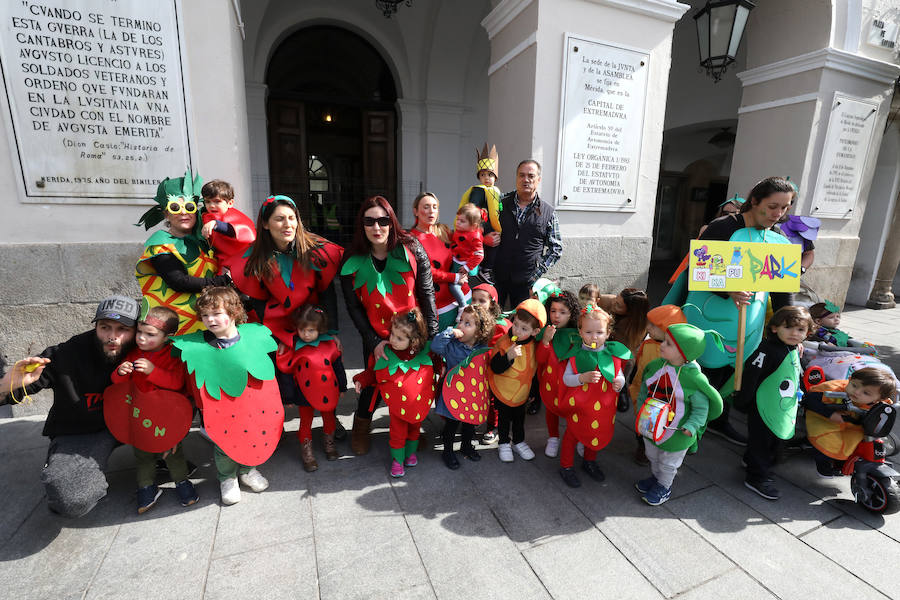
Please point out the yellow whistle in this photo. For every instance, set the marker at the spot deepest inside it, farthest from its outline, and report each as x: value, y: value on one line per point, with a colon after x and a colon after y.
x: 670, y: 417
x: 594, y: 345
x: 29, y: 368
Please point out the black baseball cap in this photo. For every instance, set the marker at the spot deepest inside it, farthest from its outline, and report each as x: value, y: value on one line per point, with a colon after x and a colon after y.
x: 118, y: 308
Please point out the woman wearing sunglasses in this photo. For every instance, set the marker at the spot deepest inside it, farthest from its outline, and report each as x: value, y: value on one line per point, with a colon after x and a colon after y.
x: 177, y: 263
x: 435, y: 238
x: 385, y: 272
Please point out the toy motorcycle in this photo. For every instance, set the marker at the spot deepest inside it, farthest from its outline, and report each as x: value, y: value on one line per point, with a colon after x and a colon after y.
x: 874, y: 482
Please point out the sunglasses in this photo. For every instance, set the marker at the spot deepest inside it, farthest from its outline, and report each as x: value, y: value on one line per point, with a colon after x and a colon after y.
x: 381, y: 221
x: 175, y: 207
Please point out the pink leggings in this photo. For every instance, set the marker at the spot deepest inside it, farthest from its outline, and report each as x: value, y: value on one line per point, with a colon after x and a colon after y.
x: 306, y: 419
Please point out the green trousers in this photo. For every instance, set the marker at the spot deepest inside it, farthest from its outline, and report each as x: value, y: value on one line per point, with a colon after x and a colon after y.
x: 146, y: 466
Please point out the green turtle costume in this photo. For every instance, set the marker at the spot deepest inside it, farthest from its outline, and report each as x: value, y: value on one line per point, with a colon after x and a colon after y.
x: 771, y: 378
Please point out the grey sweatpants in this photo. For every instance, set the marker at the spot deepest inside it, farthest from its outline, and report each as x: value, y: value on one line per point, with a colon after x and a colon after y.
x: 664, y: 465
x: 73, y: 477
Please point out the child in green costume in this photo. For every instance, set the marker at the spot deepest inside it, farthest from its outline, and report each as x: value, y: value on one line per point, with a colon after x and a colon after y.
x: 769, y: 391
x: 676, y: 379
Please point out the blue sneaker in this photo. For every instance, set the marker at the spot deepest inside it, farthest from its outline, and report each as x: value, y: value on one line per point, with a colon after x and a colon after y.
x: 147, y: 497
x: 186, y: 492
x: 645, y: 485
x: 656, y: 495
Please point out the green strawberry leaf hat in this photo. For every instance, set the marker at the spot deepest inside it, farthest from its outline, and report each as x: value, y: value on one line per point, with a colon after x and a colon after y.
x: 691, y: 340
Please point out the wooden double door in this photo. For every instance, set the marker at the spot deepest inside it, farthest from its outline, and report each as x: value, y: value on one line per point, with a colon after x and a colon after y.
x: 329, y: 158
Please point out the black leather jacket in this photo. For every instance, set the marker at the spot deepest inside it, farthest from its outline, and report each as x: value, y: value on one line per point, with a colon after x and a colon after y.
x: 424, y: 299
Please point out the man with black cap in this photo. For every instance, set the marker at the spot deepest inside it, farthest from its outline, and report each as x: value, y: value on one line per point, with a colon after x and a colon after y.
x: 78, y: 370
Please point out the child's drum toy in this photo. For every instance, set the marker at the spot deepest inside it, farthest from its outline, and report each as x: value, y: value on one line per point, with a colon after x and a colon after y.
x: 653, y: 419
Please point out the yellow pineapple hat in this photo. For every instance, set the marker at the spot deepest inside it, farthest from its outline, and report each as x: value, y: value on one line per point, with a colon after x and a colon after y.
x: 487, y: 160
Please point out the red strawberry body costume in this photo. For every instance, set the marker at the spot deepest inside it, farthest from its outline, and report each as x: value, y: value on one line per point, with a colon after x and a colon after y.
x: 227, y: 248
x: 314, y: 367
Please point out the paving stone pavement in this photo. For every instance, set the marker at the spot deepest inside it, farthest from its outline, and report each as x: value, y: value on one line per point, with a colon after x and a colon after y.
x: 489, y: 530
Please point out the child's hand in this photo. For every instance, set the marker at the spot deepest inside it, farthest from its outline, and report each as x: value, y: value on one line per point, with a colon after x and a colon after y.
x: 514, y: 352
x: 208, y: 228
x: 687, y: 432
x: 378, y: 352
x: 590, y: 377
x: 170, y: 451
x: 338, y: 345
x: 618, y: 383
x: 492, y: 239
x: 125, y: 368
x: 549, y: 332
x: 462, y: 278
x: 357, y: 386
x: 142, y: 365
x: 282, y: 348
x: 457, y: 333
x: 836, y: 417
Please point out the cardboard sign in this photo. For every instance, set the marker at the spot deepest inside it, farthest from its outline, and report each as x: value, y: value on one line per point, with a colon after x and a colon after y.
x: 743, y: 267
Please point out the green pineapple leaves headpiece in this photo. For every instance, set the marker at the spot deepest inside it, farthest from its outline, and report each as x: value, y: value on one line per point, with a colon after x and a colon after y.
x: 179, y: 187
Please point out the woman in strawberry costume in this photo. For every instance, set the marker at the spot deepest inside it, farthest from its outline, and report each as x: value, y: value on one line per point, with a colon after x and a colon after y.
x: 404, y: 377
x: 285, y: 268
x: 435, y: 239
x: 592, y: 380
x: 385, y: 273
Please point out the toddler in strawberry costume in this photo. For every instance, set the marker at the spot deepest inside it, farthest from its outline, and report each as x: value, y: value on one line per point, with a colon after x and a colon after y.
x: 404, y: 378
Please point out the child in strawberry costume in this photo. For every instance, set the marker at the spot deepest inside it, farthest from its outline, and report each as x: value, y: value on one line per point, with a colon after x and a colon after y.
x: 404, y: 377
x: 460, y: 346
x: 233, y: 382
x: 557, y: 340
x: 228, y: 230
x: 591, y: 382
x: 676, y: 380
x: 484, y: 294
x: 151, y: 366
x: 315, y: 362
x: 512, y: 367
x: 466, y: 247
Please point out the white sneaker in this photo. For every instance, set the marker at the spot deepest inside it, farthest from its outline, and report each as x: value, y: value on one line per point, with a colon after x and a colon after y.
x: 552, y: 449
x: 579, y: 448
x: 505, y: 452
x: 524, y: 450
x: 231, y: 492
x: 254, y: 480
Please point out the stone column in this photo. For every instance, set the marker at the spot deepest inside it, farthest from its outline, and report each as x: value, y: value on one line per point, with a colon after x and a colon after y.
x: 882, y: 296
x: 787, y: 100
x: 257, y: 129
x: 527, y: 39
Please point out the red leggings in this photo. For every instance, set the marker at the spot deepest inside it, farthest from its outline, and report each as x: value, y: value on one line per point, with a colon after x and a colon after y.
x: 567, y: 450
x: 400, y: 432
x: 552, y: 423
x: 492, y: 416
x: 306, y: 419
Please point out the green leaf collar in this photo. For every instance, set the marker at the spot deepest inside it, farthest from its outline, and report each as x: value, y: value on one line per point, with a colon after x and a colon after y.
x: 227, y: 369
x: 366, y: 274
x: 394, y: 362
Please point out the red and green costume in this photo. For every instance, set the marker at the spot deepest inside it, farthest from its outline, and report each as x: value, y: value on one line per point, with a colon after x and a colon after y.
x: 198, y: 261
x: 292, y: 285
x: 228, y: 248
x: 593, y: 405
x: 235, y: 389
x: 406, y: 382
x: 384, y: 294
x: 438, y: 252
x: 312, y: 365
x: 549, y: 375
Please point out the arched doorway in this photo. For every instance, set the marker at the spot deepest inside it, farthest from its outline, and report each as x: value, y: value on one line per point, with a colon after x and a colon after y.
x: 331, y: 126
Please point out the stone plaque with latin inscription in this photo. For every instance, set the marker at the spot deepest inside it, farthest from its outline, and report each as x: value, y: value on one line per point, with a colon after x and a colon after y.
x: 847, y: 140
x: 602, y: 120
x: 95, y: 96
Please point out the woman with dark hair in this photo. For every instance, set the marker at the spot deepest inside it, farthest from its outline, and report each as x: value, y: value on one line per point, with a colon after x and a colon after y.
x: 629, y: 310
x: 385, y: 272
x: 435, y: 239
x: 286, y: 267
x: 766, y: 206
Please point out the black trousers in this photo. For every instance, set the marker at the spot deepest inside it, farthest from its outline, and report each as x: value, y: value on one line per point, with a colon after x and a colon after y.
x: 762, y: 446
x: 507, y: 289
x: 511, y: 417
x: 450, y: 427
